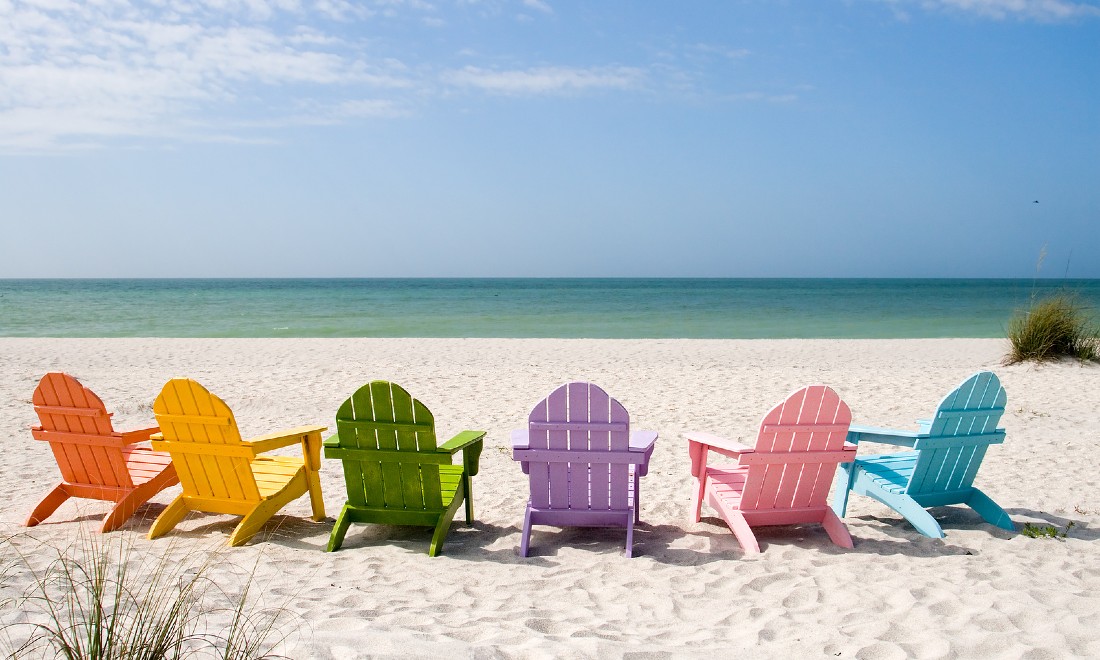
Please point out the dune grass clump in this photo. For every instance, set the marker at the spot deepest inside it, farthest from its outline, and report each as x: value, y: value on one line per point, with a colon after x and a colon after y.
x: 98, y: 601
x: 1053, y: 328
x: 1046, y: 531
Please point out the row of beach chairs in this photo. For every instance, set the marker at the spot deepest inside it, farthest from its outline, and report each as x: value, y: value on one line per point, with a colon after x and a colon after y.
x: 583, y: 461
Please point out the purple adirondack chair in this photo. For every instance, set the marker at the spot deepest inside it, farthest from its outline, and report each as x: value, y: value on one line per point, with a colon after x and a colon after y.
x: 583, y: 461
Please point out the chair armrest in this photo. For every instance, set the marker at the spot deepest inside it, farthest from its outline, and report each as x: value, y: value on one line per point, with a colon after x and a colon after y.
x: 265, y: 443
x: 461, y: 441
x: 519, y: 438
x: 719, y: 443
x: 857, y: 434
x: 139, y: 435
x: 642, y: 440
x: 471, y: 443
x: 701, y: 444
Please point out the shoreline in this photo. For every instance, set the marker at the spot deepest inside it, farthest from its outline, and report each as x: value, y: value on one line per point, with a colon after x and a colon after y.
x: 689, y: 590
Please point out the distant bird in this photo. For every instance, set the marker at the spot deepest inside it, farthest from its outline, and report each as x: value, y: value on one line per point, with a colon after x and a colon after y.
x: 1035, y: 202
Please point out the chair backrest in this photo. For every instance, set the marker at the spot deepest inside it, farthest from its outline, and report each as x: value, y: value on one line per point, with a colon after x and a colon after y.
x: 579, y: 458
x: 388, y: 448
x: 964, y: 426
x: 78, y: 428
x: 797, y: 451
x: 206, y: 447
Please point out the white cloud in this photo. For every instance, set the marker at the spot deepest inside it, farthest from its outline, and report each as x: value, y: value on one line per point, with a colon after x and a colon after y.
x: 547, y: 80
x: 723, y: 51
x: 1037, y: 10
x: 762, y: 97
x: 81, y: 73
x: 538, y: 5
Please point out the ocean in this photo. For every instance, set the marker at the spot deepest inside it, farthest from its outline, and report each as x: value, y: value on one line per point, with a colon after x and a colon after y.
x: 593, y: 308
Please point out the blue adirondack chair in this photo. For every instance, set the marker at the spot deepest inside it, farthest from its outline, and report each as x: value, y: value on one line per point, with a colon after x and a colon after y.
x: 949, y: 450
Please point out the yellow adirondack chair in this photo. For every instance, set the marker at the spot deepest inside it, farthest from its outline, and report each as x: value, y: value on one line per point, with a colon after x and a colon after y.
x: 220, y: 473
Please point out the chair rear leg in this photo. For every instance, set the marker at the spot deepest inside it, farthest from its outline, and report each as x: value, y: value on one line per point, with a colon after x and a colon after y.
x: 343, y: 521
x: 444, y: 523
x: 48, y: 505
x: 742, y: 531
x: 169, y: 518
x: 125, y: 508
x: 990, y: 511
x: 837, y: 530
x: 630, y: 533
x: 637, y: 497
x: 913, y: 512
x: 525, y: 539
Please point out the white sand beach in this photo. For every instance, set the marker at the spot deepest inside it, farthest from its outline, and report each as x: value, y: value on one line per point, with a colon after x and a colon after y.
x: 689, y: 590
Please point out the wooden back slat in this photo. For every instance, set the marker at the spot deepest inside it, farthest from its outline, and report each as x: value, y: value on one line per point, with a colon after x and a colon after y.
x: 800, y: 442
x: 189, y: 414
x: 578, y: 440
x: 964, y: 425
x: 64, y: 406
x: 394, y: 463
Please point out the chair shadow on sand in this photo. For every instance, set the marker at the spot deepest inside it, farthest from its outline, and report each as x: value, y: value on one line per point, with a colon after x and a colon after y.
x: 1080, y: 530
x: 664, y: 544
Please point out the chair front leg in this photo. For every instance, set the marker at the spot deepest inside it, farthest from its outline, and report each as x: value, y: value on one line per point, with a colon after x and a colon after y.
x: 311, y: 452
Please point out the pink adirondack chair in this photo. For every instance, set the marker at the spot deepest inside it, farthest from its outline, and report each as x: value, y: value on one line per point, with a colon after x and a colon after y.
x: 96, y: 462
x: 785, y: 479
x: 583, y: 461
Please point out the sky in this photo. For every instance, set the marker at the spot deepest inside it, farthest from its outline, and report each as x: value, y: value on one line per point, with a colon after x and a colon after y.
x: 544, y: 138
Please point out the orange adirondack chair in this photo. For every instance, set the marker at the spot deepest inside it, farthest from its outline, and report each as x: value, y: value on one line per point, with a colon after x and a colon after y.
x: 785, y: 479
x: 96, y: 462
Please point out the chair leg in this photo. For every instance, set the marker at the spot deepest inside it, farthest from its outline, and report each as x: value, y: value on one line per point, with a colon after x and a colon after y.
x: 742, y: 531
x: 913, y: 512
x: 990, y: 511
x: 255, y: 519
x: 525, y: 539
x: 316, y: 501
x: 343, y: 521
x: 630, y: 533
x: 637, y: 497
x: 48, y: 505
x: 125, y: 508
x: 444, y: 524
x: 697, y: 501
x: 169, y: 518
x: 837, y: 530
x: 845, y: 477
x: 468, y: 483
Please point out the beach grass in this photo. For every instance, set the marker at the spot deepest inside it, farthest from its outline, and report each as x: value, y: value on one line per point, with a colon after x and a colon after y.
x: 98, y: 600
x: 1054, y: 327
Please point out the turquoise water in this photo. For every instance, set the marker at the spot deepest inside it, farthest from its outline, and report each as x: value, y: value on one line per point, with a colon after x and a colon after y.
x: 602, y: 308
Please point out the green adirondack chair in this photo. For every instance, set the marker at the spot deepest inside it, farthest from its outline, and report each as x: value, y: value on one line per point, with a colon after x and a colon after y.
x: 395, y: 473
x: 949, y: 450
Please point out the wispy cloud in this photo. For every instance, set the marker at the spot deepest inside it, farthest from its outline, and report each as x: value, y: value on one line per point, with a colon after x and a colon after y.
x: 1029, y: 10
x: 538, y: 5
x: 547, y: 80
x: 76, y: 73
